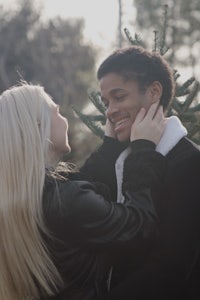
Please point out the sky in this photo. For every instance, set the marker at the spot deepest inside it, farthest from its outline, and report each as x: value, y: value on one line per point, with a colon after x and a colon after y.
x: 101, y: 17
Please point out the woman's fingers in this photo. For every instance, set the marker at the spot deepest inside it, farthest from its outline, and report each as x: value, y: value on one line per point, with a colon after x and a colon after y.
x: 149, y: 126
x: 159, y: 115
x: 152, y: 111
x: 140, y: 116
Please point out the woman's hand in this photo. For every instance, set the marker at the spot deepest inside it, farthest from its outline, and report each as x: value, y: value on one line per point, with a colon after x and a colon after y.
x: 149, y: 126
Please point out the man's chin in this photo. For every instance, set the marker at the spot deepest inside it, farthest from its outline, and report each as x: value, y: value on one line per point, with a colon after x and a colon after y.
x: 123, y: 138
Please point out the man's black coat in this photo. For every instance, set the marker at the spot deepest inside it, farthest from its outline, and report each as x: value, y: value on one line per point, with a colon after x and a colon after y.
x: 168, y: 268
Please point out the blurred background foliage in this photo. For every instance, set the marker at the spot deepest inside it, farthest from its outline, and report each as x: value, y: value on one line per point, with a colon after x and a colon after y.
x: 52, y: 54
x: 183, y: 34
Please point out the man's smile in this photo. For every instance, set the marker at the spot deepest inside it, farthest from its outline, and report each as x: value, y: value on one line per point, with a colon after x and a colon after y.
x: 119, y: 125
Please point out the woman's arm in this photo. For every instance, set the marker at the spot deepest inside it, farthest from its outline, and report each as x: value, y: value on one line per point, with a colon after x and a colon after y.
x: 100, y: 166
x: 85, y: 213
x: 96, y: 219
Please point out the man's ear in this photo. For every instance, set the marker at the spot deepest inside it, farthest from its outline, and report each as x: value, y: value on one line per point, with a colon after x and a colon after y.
x: 155, y: 91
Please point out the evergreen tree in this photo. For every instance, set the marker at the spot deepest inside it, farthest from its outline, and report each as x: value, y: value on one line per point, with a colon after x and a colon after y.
x: 52, y: 53
x: 184, y: 105
x: 183, y: 28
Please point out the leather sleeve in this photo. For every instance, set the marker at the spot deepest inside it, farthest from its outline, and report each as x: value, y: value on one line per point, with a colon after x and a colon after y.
x: 84, y: 216
x: 100, y: 165
x: 144, y: 167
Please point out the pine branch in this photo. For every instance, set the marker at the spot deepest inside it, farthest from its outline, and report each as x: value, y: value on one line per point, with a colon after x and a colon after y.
x: 190, y: 97
x: 193, y: 129
x: 156, y: 38
x: 97, y: 130
x: 176, y: 75
x: 176, y: 105
x: 183, y: 89
x: 163, y: 47
x: 195, y: 108
x: 97, y: 118
x: 96, y: 100
x: 189, y: 117
x: 137, y: 41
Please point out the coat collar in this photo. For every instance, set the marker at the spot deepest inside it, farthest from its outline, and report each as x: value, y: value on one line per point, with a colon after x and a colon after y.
x: 174, y: 132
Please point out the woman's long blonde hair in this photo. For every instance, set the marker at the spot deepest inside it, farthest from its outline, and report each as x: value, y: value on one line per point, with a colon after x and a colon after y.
x: 26, y: 269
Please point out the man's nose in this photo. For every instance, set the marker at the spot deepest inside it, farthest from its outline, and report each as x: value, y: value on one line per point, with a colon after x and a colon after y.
x: 111, y: 110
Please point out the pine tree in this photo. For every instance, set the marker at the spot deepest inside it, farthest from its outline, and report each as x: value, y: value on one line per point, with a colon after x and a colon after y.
x: 94, y: 122
x: 184, y: 105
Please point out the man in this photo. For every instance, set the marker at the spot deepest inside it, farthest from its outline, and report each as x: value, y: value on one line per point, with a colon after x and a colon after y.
x: 169, y: 267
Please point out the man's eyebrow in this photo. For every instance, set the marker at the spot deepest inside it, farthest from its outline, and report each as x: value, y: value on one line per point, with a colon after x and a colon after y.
x: 113, y: 92
x: 116, y: 90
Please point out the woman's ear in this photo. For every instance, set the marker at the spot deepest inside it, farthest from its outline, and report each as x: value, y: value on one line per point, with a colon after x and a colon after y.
x: 155, y: 91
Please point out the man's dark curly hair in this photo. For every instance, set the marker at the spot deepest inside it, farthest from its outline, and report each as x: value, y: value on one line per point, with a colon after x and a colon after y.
x: 145, y: 67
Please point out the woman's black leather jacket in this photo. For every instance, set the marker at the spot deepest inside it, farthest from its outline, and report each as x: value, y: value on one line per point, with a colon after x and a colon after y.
x: 88, y: 226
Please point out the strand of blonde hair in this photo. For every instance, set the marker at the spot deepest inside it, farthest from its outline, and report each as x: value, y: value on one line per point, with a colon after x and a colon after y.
x: 26, y: 267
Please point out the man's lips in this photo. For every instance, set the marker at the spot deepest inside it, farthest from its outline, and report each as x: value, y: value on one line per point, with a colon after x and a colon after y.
x: 119, y: 125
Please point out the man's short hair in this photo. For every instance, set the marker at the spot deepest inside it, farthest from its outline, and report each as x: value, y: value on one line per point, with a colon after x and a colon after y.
x: 145, y: 67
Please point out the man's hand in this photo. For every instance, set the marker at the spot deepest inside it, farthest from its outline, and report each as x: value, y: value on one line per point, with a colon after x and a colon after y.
x: 149, y: 126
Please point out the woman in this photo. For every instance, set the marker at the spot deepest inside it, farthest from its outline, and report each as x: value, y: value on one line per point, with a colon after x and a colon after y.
x: 57, y: 231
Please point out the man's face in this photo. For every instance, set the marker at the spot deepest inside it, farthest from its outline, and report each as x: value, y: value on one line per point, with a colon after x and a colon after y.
x: 123, y: 99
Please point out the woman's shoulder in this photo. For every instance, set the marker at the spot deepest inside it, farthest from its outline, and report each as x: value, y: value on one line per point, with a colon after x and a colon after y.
x: 61, y: 193
x: 58, y: 186
x: 70, y: 204
x: 60, y: 196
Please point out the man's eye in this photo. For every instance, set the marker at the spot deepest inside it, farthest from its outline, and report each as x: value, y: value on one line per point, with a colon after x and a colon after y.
x: 121, y: 97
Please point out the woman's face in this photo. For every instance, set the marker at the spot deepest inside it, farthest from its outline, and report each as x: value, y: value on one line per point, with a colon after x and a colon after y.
x: 59, y: 131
